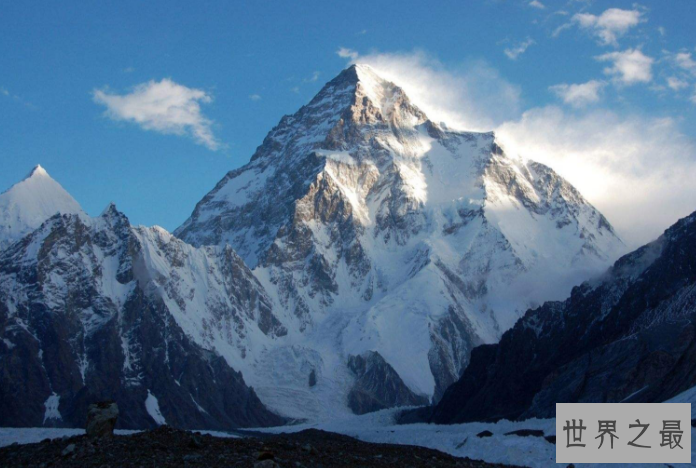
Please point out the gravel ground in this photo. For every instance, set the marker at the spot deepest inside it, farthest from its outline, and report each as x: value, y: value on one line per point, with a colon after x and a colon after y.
x: 168, y: 447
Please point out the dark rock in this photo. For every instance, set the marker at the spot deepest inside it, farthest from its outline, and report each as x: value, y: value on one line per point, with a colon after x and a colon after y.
x: 526, y: 433
x: 265, y: 455
x: 266, y: 464
x: 69, y: 450
x: 483, y: 434
x: 307, y: 448
x: 101, y: 419
x: 196, y: 442
x: 551, y: 439
x: 378, y: 386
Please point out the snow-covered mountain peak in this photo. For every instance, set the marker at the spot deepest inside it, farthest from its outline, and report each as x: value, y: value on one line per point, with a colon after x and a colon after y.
x: 376, y: 230
x: 110, y: 211
x: 37, y: 171
x: 30, y: 202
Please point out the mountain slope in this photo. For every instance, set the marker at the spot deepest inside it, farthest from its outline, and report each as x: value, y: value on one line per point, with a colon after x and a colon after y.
x: 376, y: 230
x: 29, y: 203
x: 94, y: 309
x: 627, y: 336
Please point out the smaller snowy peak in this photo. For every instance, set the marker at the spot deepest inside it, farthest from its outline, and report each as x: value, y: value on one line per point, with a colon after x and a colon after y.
x: 37, y: 171
x: 27, y: 204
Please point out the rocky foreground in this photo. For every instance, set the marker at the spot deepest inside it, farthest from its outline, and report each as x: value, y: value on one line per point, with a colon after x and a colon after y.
x: 168, y: 447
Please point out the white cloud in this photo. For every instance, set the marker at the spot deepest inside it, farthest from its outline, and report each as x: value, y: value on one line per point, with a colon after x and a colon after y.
x: 578, y: 95
x: 537, y: 4
x: 638, y: 171
x: 676, y: 83
x: 610, y: 25
x: 685, y: 62
x: 313, y: 78
x: 344, y: 52
x: 255, y: 97
x: 164, y: 107
x: 662, y: 31
x: 472, y: 96
x: 629, y: 67
x: 519, y: 49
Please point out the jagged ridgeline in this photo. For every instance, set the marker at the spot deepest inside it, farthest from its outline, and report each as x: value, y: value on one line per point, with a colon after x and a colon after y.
x: 351, y: 265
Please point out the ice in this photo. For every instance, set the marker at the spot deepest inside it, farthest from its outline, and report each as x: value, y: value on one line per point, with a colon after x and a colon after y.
x: 51, y: 405
x: 153, y: 409
x: 459, y: 439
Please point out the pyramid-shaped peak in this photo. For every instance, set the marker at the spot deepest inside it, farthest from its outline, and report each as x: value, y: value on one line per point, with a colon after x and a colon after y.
x: 360, y: 81
x: 27, y: 204
x: 37, y: 171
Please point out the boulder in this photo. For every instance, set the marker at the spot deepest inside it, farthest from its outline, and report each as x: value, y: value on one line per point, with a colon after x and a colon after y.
x: 101, y: 419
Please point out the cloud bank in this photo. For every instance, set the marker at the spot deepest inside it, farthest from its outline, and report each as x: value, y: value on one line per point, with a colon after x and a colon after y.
x: 162, y: 106
x: 638, y: 171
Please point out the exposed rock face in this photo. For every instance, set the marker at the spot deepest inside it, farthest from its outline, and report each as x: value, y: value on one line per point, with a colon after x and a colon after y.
x: 101, y: 419
x: 92, y: 309
x: 376, y: 229
x: 628, y: 336
x: 378, y: 386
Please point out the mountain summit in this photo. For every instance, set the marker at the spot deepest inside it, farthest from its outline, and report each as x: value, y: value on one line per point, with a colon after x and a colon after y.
x: 386, y: 238
x: 30, y: 202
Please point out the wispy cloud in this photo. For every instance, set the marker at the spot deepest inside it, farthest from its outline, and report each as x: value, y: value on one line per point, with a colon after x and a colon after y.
x: 514, y: 52
x: 255, y: 97
x: 607, y: 27
x: 471, y: 96
x: 579, y: 95
x: 162, y: 106
x: 4, y: 92
x: 344, y: 52
x: 315, y: 76
x: 684, y: 61
x: 537, y: 4
x: 677, y: 84
x: 628, y: 67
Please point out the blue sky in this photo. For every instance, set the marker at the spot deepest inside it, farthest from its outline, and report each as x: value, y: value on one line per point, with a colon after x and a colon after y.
x: 604, y: 91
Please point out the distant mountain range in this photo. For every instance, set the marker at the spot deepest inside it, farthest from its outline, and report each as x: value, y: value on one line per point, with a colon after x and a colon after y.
x: 351, y: 265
